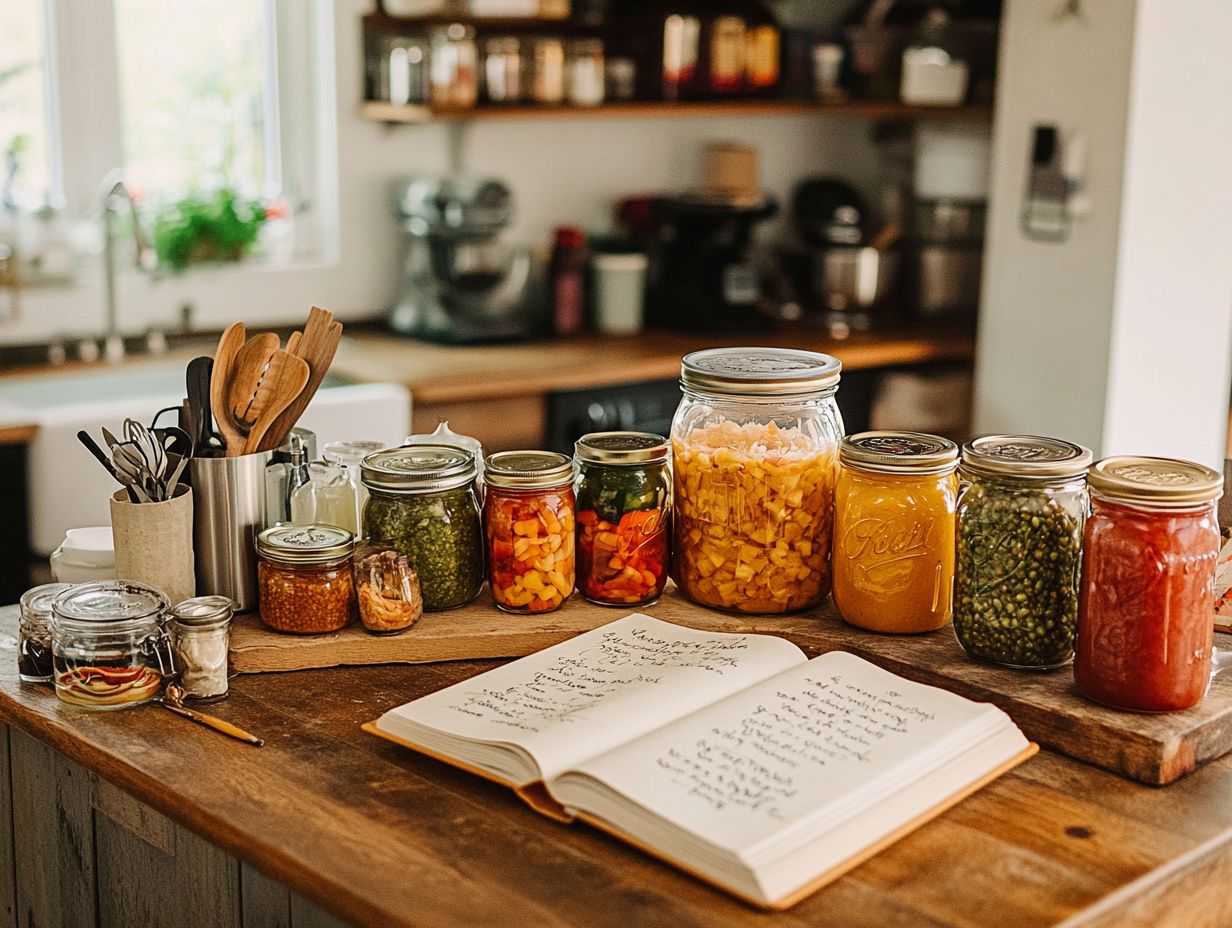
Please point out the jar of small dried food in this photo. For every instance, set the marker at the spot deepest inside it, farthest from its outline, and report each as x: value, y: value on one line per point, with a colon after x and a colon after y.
x: 422, y: 503
x: 34, y: 632
x: 109, y: 650
x: 755, y: 456
x: 1019, y: 539
x: 894, y: 531
x: 623, y: 516
x: 1148, y: 584
x: 390, y: 600
x: 200, y: 631
x: 304, y: 580
x: 529, y: 517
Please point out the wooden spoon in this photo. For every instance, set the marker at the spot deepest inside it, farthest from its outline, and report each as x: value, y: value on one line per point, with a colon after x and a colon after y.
x: 220, y: 378
x: 246, y: 375
x: 317, y: 347
x: 282, y: 384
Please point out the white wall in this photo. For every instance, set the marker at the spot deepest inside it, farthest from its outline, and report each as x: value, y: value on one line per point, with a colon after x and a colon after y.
x: 1119, y: 337
x: 565, y: 171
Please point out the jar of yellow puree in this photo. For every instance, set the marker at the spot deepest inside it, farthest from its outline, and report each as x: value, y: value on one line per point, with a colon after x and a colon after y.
x: 894, y: 531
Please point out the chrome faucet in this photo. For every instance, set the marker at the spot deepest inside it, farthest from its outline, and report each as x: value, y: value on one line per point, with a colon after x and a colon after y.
x: 115, y: 198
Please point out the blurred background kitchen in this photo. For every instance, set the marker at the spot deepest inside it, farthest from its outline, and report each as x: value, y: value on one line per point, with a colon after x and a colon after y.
x: 1001, y: 216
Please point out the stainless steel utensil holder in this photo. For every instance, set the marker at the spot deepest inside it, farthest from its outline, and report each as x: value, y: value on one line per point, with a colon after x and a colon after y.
x: 229, y: 511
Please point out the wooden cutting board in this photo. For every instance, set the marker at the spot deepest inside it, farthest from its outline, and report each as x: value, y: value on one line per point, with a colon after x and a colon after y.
x: 1155, y: 749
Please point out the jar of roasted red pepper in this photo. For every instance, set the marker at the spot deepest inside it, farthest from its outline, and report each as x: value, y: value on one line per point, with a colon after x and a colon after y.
x: 623, y: 514
x: 528, y: 517
x: 1147, y: 604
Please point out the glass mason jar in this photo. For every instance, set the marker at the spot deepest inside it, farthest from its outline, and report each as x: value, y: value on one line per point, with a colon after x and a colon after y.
x: 1148, y: 584
x: 529, y: 518
x: 349, y: 455
x: 200, y: 631
x: 34, y: 632
x: 623, y: 514
x: 894, y: 531
x: 585, y: 72
x: 109, y: 650
x: 755, y: 457
x: 502, y: 70
x: 1021, y: 512
x: 304, y: 579
x: 390, y: 600
x: 422, y: 502
x: 453, y: 67
x: 547, y: 74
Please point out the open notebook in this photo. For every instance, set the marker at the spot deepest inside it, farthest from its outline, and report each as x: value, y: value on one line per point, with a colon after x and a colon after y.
x: 733, y: 757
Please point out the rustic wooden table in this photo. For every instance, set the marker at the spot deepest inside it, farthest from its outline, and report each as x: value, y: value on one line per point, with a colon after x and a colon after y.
x: 380, y: 836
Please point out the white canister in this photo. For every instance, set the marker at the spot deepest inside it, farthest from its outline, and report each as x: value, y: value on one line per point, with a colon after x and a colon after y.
x: 85, y: 554
x: 932, y: 78
x: 620, y: 285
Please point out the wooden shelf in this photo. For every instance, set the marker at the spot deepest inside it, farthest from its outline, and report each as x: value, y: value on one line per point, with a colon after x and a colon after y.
x: 409, y: 114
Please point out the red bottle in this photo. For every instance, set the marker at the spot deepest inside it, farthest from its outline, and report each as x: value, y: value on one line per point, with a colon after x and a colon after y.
x: 568, y: 273
x: 1147, y: 603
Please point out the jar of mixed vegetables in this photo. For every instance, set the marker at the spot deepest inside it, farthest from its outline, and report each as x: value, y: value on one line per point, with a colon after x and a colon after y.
x: 529, y: 518
x: 422, y: 502
x: 623, y: 517
x: 894, y: 531
x: 1020, y: 520
x: 305, y: 583
x: 1148, y: 584
x: 755, y: 456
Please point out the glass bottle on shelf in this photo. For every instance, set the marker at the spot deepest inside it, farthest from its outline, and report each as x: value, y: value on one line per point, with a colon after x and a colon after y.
x: 503, y: 80
x: 585, y: 73
x: 547, y: 81
x: 454, y: 67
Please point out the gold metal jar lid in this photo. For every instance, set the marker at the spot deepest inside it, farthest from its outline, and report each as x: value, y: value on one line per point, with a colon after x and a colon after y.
x: 893, y: 452
x: 1155, y: 481
x: 418, y: 469
x: 759, y: 371
x: 305, y: 544
x: 528, y: 470
x: 1031, y: 457
x: 621, y: 448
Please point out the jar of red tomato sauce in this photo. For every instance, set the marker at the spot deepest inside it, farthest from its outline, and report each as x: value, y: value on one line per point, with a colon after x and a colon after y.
x: 529, y: 516
x: 1147, y: 602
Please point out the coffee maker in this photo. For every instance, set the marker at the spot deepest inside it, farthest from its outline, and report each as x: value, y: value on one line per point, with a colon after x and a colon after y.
x: 460, y: 283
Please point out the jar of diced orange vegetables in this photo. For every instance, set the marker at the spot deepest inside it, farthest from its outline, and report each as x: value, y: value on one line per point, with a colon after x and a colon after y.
x: 529, y: 518
x: 755, y: 458
x: 623, y: 517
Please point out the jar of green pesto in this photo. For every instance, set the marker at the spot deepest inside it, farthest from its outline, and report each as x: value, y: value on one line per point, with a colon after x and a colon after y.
x: 422, y: 501
x: 1021, y: 512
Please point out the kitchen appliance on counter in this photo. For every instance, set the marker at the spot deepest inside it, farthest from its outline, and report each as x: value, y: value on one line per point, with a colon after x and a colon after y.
x: 460, y: 283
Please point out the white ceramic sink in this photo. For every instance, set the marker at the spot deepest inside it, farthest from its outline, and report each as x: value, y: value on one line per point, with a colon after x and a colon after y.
x: 69, y: 489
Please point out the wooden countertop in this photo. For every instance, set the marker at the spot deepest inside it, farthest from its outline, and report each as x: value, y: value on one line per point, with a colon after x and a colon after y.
x: 383, y: 837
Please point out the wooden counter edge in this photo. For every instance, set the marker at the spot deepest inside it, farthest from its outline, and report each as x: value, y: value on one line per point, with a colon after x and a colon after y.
x: 17, y: 434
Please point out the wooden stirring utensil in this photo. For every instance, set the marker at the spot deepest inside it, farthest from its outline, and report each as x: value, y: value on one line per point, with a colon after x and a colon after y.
x: 317, y: 346
x: 220, y: 379
x: 251, y: 363
x: 283, y: 382
x: 173, y: 699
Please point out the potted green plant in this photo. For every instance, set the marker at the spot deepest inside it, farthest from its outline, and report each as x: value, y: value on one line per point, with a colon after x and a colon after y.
x: 221, y: 227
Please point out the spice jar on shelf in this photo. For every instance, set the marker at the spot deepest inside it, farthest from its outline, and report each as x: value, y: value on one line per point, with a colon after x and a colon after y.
x: 454, y: 67
x: 894, y: 531
x: 422, y: 502
x: 34, y: 632
x: 200, y: 632
x: 1148, y: 584
x: 304, y: 579
x: 755, y: 457
x: 1020, y: 519
x: 109, y: 649
x: 503, y: 80
x: 585, y: 83
x: 529, y: 517
x: 547, y: 74
x: 623, y: 517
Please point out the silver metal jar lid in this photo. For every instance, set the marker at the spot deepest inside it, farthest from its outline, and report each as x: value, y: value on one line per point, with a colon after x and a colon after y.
x: 109, y: 601
x: 893, y: 452
x: 1031, y: 457
x: 305, y: 544
x: 528, y: 470
x: 418, y: 469
x: 36, y: 602
x: 759, y: 371
x: 1166, y: 482
x: 204, y: 611
x: 621, y: 448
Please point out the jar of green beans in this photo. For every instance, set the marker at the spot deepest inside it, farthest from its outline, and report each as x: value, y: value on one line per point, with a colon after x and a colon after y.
x: 1021, y: 512
x: 422, y: 502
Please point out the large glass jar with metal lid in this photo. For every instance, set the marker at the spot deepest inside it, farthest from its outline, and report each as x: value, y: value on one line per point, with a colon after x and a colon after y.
x: 623, y: 514
x: 422, y: 502
x: 108, y: 646
x: 1020, y: 518
x: 755, y: 456
x: 1148, y: 584
x: 529, y: 518
x: 34, y: 632
x: 305, y: 583
x: 894, y: 531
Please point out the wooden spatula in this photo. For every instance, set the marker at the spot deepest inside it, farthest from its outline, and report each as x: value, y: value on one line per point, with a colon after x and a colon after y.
x: 249, y: 369
x: 283, y: 382
x: 224, y: 361
x: 317, y: 347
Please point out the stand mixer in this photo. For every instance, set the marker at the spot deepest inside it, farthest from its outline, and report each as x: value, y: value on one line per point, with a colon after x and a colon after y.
x: 459, y: 283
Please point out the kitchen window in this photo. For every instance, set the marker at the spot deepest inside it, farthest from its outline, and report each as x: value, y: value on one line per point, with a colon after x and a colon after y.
x: 25, y: 141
